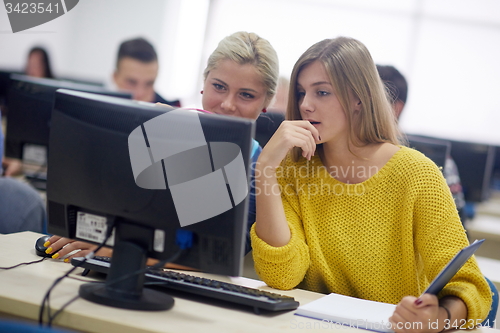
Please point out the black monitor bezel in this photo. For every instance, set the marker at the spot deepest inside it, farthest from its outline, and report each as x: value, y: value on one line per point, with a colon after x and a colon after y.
x: 31, y: 125
x: 59, y: 194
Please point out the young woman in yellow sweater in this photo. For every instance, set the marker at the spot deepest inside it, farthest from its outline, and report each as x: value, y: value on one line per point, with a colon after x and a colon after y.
x: 343, y: 207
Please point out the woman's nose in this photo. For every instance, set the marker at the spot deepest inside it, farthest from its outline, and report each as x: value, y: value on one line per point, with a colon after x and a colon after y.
x: 306, y: 105
x: 228, y: 104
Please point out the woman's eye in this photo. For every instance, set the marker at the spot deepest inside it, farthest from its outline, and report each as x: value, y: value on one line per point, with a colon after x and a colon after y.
x: 218, y: 86
x: 323, y: 93
x: 300, y: 94
x: 247, y: 95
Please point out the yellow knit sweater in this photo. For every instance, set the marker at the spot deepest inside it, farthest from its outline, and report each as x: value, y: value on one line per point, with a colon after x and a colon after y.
x: 381, y: 240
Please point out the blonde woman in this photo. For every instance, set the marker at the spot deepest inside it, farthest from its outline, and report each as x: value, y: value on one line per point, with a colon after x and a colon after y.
x: 344, y: 207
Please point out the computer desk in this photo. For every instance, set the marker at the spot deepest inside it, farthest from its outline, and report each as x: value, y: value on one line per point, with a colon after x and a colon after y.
x: 22, y: 290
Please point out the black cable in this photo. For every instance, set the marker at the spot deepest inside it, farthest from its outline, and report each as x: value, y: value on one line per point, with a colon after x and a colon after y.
x: 121, y: 278
x: 47, y: 294
x: 144, y: 270
x: 46, y: 299
x: 51, y: 319
x: 24, y: 263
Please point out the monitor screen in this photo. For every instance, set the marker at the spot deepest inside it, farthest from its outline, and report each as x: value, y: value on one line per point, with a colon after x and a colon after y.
x: 435, y: 149
x: 152, y: 171
x: 30, y: 102
x: 80, y: 80
x: 4, y: 84
x: 266, y: 125
x: 475, y: 166
x: 496, y: 170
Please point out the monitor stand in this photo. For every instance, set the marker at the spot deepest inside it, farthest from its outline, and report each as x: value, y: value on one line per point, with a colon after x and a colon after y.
x: 126, y: 292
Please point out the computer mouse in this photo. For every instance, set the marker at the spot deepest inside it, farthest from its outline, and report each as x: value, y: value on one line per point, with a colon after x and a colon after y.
x: 40, y: 249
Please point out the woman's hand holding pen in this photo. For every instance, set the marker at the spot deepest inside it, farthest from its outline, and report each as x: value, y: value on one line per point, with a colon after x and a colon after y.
x: 428, y: 314
x: 414, y: 314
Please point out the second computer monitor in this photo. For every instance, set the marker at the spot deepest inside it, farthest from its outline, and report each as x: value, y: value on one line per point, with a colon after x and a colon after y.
x: 438, y: 150
x: 266, y: 126
x: 5, y: 83
x: 30, y: 101
x: 475, y: 166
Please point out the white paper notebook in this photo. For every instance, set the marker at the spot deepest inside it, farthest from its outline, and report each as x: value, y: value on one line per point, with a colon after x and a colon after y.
x: 374, y: 316
x: 336, y: 309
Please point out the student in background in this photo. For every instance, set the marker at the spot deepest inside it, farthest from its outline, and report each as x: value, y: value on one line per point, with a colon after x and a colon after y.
x: 344, y: 207
x: 240, y: 80
x: 281, y: 99
x: 11, y: 167
x: 137, y: 69
x: 397, y: 87
x: 38, y: 63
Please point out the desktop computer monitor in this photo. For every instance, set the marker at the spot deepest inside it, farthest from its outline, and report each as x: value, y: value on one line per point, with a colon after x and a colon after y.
x: 475, y: 166
x: 266, y: 125
x: 5, y: 83
x: 154, y: 172
x: 30, y: 102
x: 435, y: 149
x: 495, y: 181
x: 79, y: 80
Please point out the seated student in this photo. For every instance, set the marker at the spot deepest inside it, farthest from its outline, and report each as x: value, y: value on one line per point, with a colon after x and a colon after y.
x: 11, y: 167
x: 38, y: 63
x: 398, y: 89
x: 281, y: 99
x: 343, y: 207
x: 240, y: 80
x: 137, y: 69
x: 21, y: 207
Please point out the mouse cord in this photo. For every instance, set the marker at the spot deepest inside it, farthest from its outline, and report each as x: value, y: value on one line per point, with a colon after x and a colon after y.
x: 24, y: 263
x: 174, y: 257
x: 46, y: 298
x: 126, y: 276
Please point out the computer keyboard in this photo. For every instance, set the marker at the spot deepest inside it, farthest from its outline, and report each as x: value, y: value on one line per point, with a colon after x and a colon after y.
x: 39, y: 183
x: 255, y: 298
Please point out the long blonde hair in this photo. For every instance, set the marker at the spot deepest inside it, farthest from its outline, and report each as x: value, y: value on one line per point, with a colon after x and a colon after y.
x: 352, y: 73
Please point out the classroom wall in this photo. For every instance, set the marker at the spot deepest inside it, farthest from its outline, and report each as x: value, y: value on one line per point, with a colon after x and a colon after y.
x: 83, y: 43
x: 447, y: 49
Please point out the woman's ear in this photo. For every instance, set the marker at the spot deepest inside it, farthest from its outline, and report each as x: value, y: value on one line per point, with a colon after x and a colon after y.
x: 357, y: 105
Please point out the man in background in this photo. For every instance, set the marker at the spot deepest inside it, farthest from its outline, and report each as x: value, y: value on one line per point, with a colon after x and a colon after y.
x: 137, y: 69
